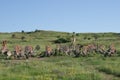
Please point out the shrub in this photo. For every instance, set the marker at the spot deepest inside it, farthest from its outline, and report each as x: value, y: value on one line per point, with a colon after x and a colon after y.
x: 77, y: 34
x: 13, y: 36
x: 37, y: 47
x: 85, y: 38
x: 61, y: 40
x: 89, y: 38
x: 22, y: 38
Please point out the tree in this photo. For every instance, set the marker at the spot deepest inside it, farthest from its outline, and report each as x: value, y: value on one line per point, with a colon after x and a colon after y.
x: 36, y: 30
x: 95, y: 36
x: 22, y: 31
x: 74, y: 33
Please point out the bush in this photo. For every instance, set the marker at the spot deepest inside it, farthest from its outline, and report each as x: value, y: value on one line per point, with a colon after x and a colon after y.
x: 89, y: 38
x: 77, y: 34
x: 85, y: 38
x: 22, y: 38
x: 13, y: 36
x: 37, y: 47
x: 61, y: 40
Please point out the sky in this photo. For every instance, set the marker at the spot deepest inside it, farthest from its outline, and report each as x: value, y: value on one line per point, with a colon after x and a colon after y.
x: 60, y: 15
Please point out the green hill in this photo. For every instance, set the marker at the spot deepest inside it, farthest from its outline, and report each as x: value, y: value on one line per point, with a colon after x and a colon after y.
x: 42, y: 38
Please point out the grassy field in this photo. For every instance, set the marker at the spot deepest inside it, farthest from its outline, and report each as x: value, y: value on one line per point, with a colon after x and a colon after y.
x: 60, y: 67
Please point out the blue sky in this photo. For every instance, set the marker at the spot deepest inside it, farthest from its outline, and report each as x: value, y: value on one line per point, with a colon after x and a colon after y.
x: 60, y: 15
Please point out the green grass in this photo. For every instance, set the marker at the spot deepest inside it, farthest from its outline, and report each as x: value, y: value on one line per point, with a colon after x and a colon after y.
x: 60, y: 67
x: 112, y: 67
x: 57, y: 68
